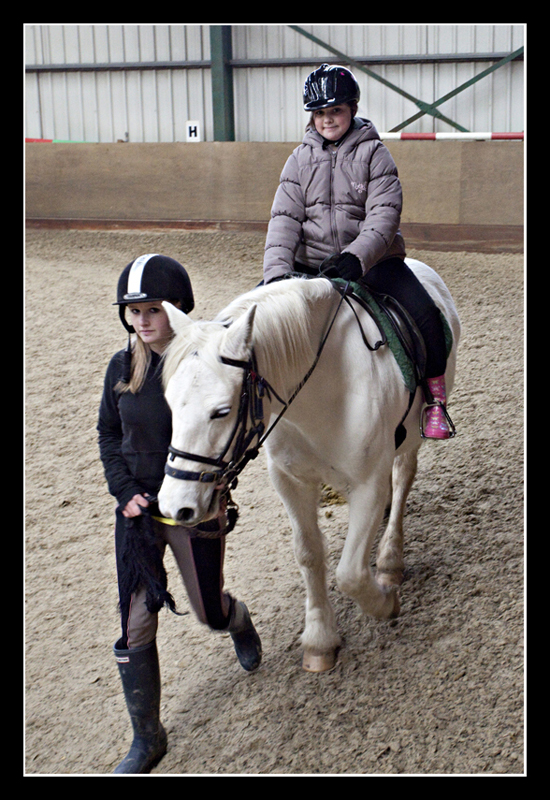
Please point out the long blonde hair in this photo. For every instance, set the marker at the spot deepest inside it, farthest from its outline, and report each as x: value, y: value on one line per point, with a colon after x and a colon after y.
x: 140, y: 359
x: 139, y: 354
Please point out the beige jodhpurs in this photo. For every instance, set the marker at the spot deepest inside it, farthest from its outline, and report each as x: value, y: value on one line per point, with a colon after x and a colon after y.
x: 200, y: 562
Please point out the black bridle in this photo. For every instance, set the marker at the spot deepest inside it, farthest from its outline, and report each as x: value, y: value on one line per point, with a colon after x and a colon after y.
x: 254, y: 389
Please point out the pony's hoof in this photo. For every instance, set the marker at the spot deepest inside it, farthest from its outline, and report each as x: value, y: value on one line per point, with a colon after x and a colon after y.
x: 318, y: 662
x: 390, y: 582
x: 394, y: 603
x: 396, y: 606
x: 389, y: 579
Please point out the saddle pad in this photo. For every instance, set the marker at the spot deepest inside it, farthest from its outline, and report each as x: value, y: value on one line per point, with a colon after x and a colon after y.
x: 400, y: 354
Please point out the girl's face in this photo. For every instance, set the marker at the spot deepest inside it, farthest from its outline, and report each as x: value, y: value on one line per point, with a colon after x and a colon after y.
x: 333, y: 122
x: 151, y: 324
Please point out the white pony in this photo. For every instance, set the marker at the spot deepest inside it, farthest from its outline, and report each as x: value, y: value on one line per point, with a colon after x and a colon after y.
x: 339, y: 431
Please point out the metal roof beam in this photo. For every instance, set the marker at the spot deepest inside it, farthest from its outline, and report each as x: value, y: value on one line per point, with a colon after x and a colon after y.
x: 250, y: 63
x: 431, y: 109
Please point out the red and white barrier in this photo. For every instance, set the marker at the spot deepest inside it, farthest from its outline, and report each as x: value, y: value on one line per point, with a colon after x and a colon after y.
x: 397, y: 135
x: 458, y: 135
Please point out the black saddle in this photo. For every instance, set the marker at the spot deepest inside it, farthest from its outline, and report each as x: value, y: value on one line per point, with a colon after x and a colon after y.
x: 399, y: 326
x: 406, y: 330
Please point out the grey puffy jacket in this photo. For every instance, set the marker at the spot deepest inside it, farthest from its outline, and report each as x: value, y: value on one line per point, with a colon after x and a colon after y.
x: 333, y: 200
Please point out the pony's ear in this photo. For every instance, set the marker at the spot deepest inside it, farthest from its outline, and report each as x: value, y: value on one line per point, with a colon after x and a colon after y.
x: 237, y: 342
x: 178, y: 320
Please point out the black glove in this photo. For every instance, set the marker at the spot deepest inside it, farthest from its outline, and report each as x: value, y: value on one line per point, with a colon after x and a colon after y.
x: 275, y: 279
x: 342, y: 265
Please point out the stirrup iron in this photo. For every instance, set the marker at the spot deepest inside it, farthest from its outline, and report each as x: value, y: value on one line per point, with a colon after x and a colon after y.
x: 435, y: 404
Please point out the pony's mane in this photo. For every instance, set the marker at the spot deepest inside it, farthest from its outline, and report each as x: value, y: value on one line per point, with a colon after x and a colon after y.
x: 282, y: 324
x: 282, y: 340
x: 200, y: 338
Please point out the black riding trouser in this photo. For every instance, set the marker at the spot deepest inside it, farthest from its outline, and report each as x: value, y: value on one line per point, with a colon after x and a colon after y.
x: 393, y: 277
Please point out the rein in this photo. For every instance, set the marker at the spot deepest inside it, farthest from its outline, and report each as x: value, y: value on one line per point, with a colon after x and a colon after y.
x: 254, y: 389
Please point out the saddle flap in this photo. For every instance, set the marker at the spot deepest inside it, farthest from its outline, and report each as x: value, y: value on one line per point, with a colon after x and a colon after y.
x: 399, y: 330
x: 406, y: 330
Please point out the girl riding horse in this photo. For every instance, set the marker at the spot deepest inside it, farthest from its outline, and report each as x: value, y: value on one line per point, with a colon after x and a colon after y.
x: 338, y: 208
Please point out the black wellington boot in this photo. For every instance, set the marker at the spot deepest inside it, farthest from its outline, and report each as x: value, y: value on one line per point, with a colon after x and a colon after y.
x: 140, y: 676
x: 246, y: 641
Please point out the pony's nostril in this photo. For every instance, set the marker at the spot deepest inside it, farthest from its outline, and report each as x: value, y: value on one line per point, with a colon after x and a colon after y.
x: 185, y: 514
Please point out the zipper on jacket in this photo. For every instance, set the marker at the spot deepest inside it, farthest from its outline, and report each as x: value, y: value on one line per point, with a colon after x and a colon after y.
x: 333, y: 155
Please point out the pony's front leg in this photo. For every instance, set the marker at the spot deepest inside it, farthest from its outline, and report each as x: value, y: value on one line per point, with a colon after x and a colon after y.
x: 390, y: 563
x: 354, y: 575
x: 320, y: 639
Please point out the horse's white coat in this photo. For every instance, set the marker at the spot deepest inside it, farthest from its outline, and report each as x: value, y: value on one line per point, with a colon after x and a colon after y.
x: 339, y: 431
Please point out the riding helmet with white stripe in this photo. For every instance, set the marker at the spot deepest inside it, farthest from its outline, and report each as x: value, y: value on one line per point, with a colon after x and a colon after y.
x: 152, y: 278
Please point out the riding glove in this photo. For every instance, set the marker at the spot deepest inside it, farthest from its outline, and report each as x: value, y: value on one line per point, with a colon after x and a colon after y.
x: 342, y: 265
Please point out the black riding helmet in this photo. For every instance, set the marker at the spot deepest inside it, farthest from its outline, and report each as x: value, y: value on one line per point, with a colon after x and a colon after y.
x: 330, y: 85
x: 150, y: 278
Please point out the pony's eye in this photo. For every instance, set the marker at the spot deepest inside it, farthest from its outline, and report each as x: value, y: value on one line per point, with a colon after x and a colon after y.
x: 220, y: 412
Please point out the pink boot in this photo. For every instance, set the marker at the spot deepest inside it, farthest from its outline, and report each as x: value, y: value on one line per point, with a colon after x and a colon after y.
x: 436, y: 423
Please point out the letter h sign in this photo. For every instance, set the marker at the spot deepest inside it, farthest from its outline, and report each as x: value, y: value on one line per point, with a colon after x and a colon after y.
x: 193, y: 131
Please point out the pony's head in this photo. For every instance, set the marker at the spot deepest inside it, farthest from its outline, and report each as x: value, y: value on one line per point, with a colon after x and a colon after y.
x: 204, y: 395
x: 204, y: 387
